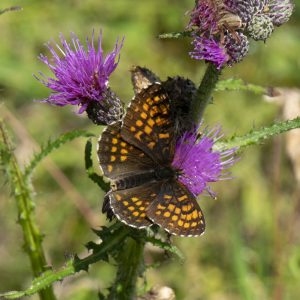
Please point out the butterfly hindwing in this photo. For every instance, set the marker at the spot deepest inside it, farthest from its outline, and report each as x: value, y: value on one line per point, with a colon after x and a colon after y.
x: 176, y: 210
x: 148, y: 126
x: 118, y: 158
x: 130, y: 205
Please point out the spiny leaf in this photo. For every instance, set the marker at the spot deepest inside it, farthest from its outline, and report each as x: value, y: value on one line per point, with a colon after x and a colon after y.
x: 52, y: 145
x: 165, y: 246
x: 255, y: 137
x: 90, y: 169
x: 74, y: 265
x: 238, y: 84
x: 12, y: 8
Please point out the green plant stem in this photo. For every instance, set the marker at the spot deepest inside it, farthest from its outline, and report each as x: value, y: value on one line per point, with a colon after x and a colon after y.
x: 129, y: 268
x: 25, y: 206
x: 72, y: 266
x: 203, y: 96
x: 258, y: 136
x: 175, y: 35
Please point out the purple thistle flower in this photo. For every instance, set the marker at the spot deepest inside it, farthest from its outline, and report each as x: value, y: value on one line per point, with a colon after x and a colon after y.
x: 203, y: 16
x: 209, y: 49
x: 81, y: 75
x: 198, y: 163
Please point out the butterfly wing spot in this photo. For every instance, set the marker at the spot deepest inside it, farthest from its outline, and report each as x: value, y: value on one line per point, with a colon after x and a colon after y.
x: 164, y: 135
x: 114, y: 141
x: 124, y: 151
x: 167, y: 197
x: 138, y: 135
x: 136, y: 213
x: 148, y: 129
x: 144, y: 115
x: 113, y: 158
x: 109, y: 168
x: 114, y: 149
x: 167, y: 214
x: 196, y: 214
x: 150, y: 122
x: 146, y: 106
x: 174, y: 218
x: 132, y: 129
x: 134, y: 199
x: 159, y: 206
x: 139, y: 123
x: 171, y: 207
x: 123, y: 158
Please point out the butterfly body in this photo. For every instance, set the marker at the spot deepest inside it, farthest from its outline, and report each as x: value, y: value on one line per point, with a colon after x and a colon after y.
x: 136, y: 155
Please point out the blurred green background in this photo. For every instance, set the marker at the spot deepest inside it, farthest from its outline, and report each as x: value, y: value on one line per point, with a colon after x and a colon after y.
x: 251, y: 246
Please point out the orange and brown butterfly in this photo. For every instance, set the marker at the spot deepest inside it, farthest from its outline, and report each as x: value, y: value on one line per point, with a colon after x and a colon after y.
x: 136, y: 155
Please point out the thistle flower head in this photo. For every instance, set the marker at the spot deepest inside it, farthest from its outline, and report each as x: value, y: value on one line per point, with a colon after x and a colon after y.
x: 214, y: 24
x: 209, y: 49
x: 260, y: 27
x: 198, y: 164
x: 237, y: 46
x: 204, y: 17
x: 279, y: 11
x: 81, y: 75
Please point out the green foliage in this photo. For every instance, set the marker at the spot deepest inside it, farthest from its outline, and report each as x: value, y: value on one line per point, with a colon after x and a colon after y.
x: 256, y: 137
x: 239, y: 85
x: 12, y: 8
x: 52, y: 145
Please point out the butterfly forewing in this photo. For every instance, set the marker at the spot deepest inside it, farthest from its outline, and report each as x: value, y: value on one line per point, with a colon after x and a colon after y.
x: 118, y: 158
x: 148, y: 126
x: 176, y: 210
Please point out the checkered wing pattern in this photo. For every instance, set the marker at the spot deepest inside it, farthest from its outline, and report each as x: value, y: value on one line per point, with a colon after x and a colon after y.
x: 130, y: 205
x: 148, y: 126
x: 118, y: 158
x: 176, y: 210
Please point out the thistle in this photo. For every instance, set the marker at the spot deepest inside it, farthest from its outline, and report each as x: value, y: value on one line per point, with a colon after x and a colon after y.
x: 81, y: 77
x: 198, y: 163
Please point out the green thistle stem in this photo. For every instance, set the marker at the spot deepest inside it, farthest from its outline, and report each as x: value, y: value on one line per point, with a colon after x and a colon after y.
x: 32, y: 236
x: 258, y: 136
x: 72, y: 266
x: 130, y: 264
x: 203, y: 96
x: 175, y: 35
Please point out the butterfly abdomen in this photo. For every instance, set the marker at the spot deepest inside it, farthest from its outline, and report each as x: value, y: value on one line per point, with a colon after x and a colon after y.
x: 132, y: 181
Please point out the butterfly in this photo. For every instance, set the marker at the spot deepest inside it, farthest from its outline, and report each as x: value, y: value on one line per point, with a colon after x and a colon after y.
x: 136, y: 154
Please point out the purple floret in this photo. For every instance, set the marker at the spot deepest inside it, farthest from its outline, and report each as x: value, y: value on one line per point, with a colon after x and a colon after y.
x: 210, y: 50
x: 197, y: 162
x: 81, y: 75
